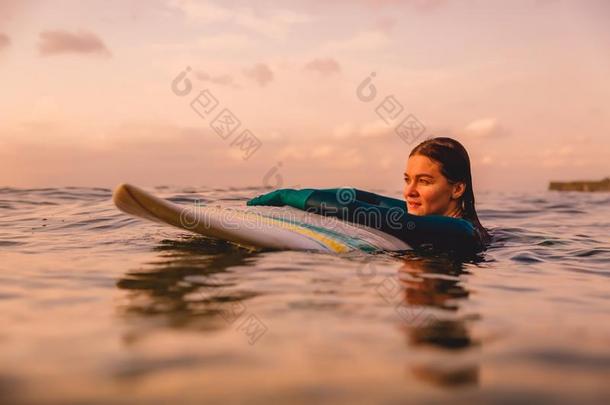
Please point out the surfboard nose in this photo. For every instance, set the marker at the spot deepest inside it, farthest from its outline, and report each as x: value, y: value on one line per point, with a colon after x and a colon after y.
x: 124, y: 199
x: 121, y: 194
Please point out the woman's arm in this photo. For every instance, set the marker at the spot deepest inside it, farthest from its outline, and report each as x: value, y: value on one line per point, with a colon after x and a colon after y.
x: 383, y: 213
x: 350, y: 204
x: 297, y: 198
x: 348, y: 193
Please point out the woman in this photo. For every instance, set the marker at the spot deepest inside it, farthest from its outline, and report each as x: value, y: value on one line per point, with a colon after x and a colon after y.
x: 440, y: 206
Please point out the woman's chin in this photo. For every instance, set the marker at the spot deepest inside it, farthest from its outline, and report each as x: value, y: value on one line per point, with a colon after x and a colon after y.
x: 416, y: 211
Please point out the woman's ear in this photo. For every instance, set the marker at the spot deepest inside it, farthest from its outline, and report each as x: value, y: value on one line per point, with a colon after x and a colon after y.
x: 458, y: 190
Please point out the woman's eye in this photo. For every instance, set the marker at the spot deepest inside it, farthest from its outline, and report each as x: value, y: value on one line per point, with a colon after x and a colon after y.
x: 424, y: 181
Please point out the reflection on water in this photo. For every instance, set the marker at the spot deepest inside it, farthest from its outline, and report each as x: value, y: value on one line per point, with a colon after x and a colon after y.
x: 184, y: 288
x: 98, y: 307
x: 435, y: 283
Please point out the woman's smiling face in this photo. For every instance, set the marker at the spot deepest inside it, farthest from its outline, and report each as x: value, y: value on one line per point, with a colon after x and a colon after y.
x: 427, y: 191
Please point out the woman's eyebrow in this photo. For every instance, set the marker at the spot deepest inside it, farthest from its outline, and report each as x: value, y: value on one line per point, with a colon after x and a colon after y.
x: 420, y: 175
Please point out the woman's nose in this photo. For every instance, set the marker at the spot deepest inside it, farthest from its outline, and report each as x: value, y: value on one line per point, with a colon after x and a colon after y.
x: 410, y: 189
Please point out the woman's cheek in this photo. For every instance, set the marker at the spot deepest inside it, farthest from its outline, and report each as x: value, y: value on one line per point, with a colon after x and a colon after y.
x: 425, y: 203
x: 431, y: 197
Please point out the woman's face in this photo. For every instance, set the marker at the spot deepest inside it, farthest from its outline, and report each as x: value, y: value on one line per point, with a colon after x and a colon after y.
x: 427, y: 191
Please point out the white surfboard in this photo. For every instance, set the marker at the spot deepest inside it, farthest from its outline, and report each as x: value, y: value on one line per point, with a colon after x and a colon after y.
x: 284, y: 228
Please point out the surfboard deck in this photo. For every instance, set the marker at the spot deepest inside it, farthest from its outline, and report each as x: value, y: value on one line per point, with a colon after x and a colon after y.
x: 282, y: 228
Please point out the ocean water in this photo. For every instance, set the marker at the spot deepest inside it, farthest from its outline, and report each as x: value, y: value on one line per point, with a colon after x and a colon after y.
x: 99, y: 307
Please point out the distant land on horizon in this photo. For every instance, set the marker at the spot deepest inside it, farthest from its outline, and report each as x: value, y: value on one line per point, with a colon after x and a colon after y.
x: 585, y: 185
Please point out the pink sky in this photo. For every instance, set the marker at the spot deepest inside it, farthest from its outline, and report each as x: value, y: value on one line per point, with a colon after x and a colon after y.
x: 87, y: 90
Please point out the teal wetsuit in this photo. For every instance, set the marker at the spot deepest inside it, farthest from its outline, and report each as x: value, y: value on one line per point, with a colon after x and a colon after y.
x: 383, y: 213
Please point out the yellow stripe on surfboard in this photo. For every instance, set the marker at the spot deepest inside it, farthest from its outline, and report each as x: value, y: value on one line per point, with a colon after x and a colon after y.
x: 332, y: 244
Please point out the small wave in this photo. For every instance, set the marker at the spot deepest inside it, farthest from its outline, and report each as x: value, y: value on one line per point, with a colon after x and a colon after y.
x: 513, y: 288
x: 526, y: 257
x: 551, y: 242
x: 570, y: 359
x: 188, y: 200
x: 589, y: 252
x: 11, y: 243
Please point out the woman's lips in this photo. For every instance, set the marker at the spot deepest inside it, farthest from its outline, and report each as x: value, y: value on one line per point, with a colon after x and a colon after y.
x: 413, y: 204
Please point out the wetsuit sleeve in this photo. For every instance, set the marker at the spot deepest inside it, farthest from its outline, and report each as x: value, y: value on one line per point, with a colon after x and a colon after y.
x: 386, y: 214
x: 347, y: 194
x: 298, y: 198
x: 284, y: 196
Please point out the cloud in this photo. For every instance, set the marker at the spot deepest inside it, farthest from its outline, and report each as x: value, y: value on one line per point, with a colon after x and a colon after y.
x: 276, y: 24
x: 260, y: 73
x: 223, y: 80
x: 560, y: 156
x: 419, y: 5
x: 5, y: 41
x: 386, y: 24
x: 226, y: 42
x: 363, y: 41
x: 326, y: 155
x: 484, y: 128
x: 325, y: 67
x: 11, y: 9
x: 273, y: 24
x: 373, y: 129
x: 60, y: 42
x: 347, y: 159
x: 487, y: 160
x: 344, y: 130
x: 322, y: 151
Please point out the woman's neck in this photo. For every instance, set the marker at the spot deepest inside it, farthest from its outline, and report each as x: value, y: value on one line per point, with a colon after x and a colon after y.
x: 454, y: 212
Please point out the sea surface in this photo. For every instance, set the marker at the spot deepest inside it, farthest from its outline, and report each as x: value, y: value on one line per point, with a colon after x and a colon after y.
x: 101, y: 308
